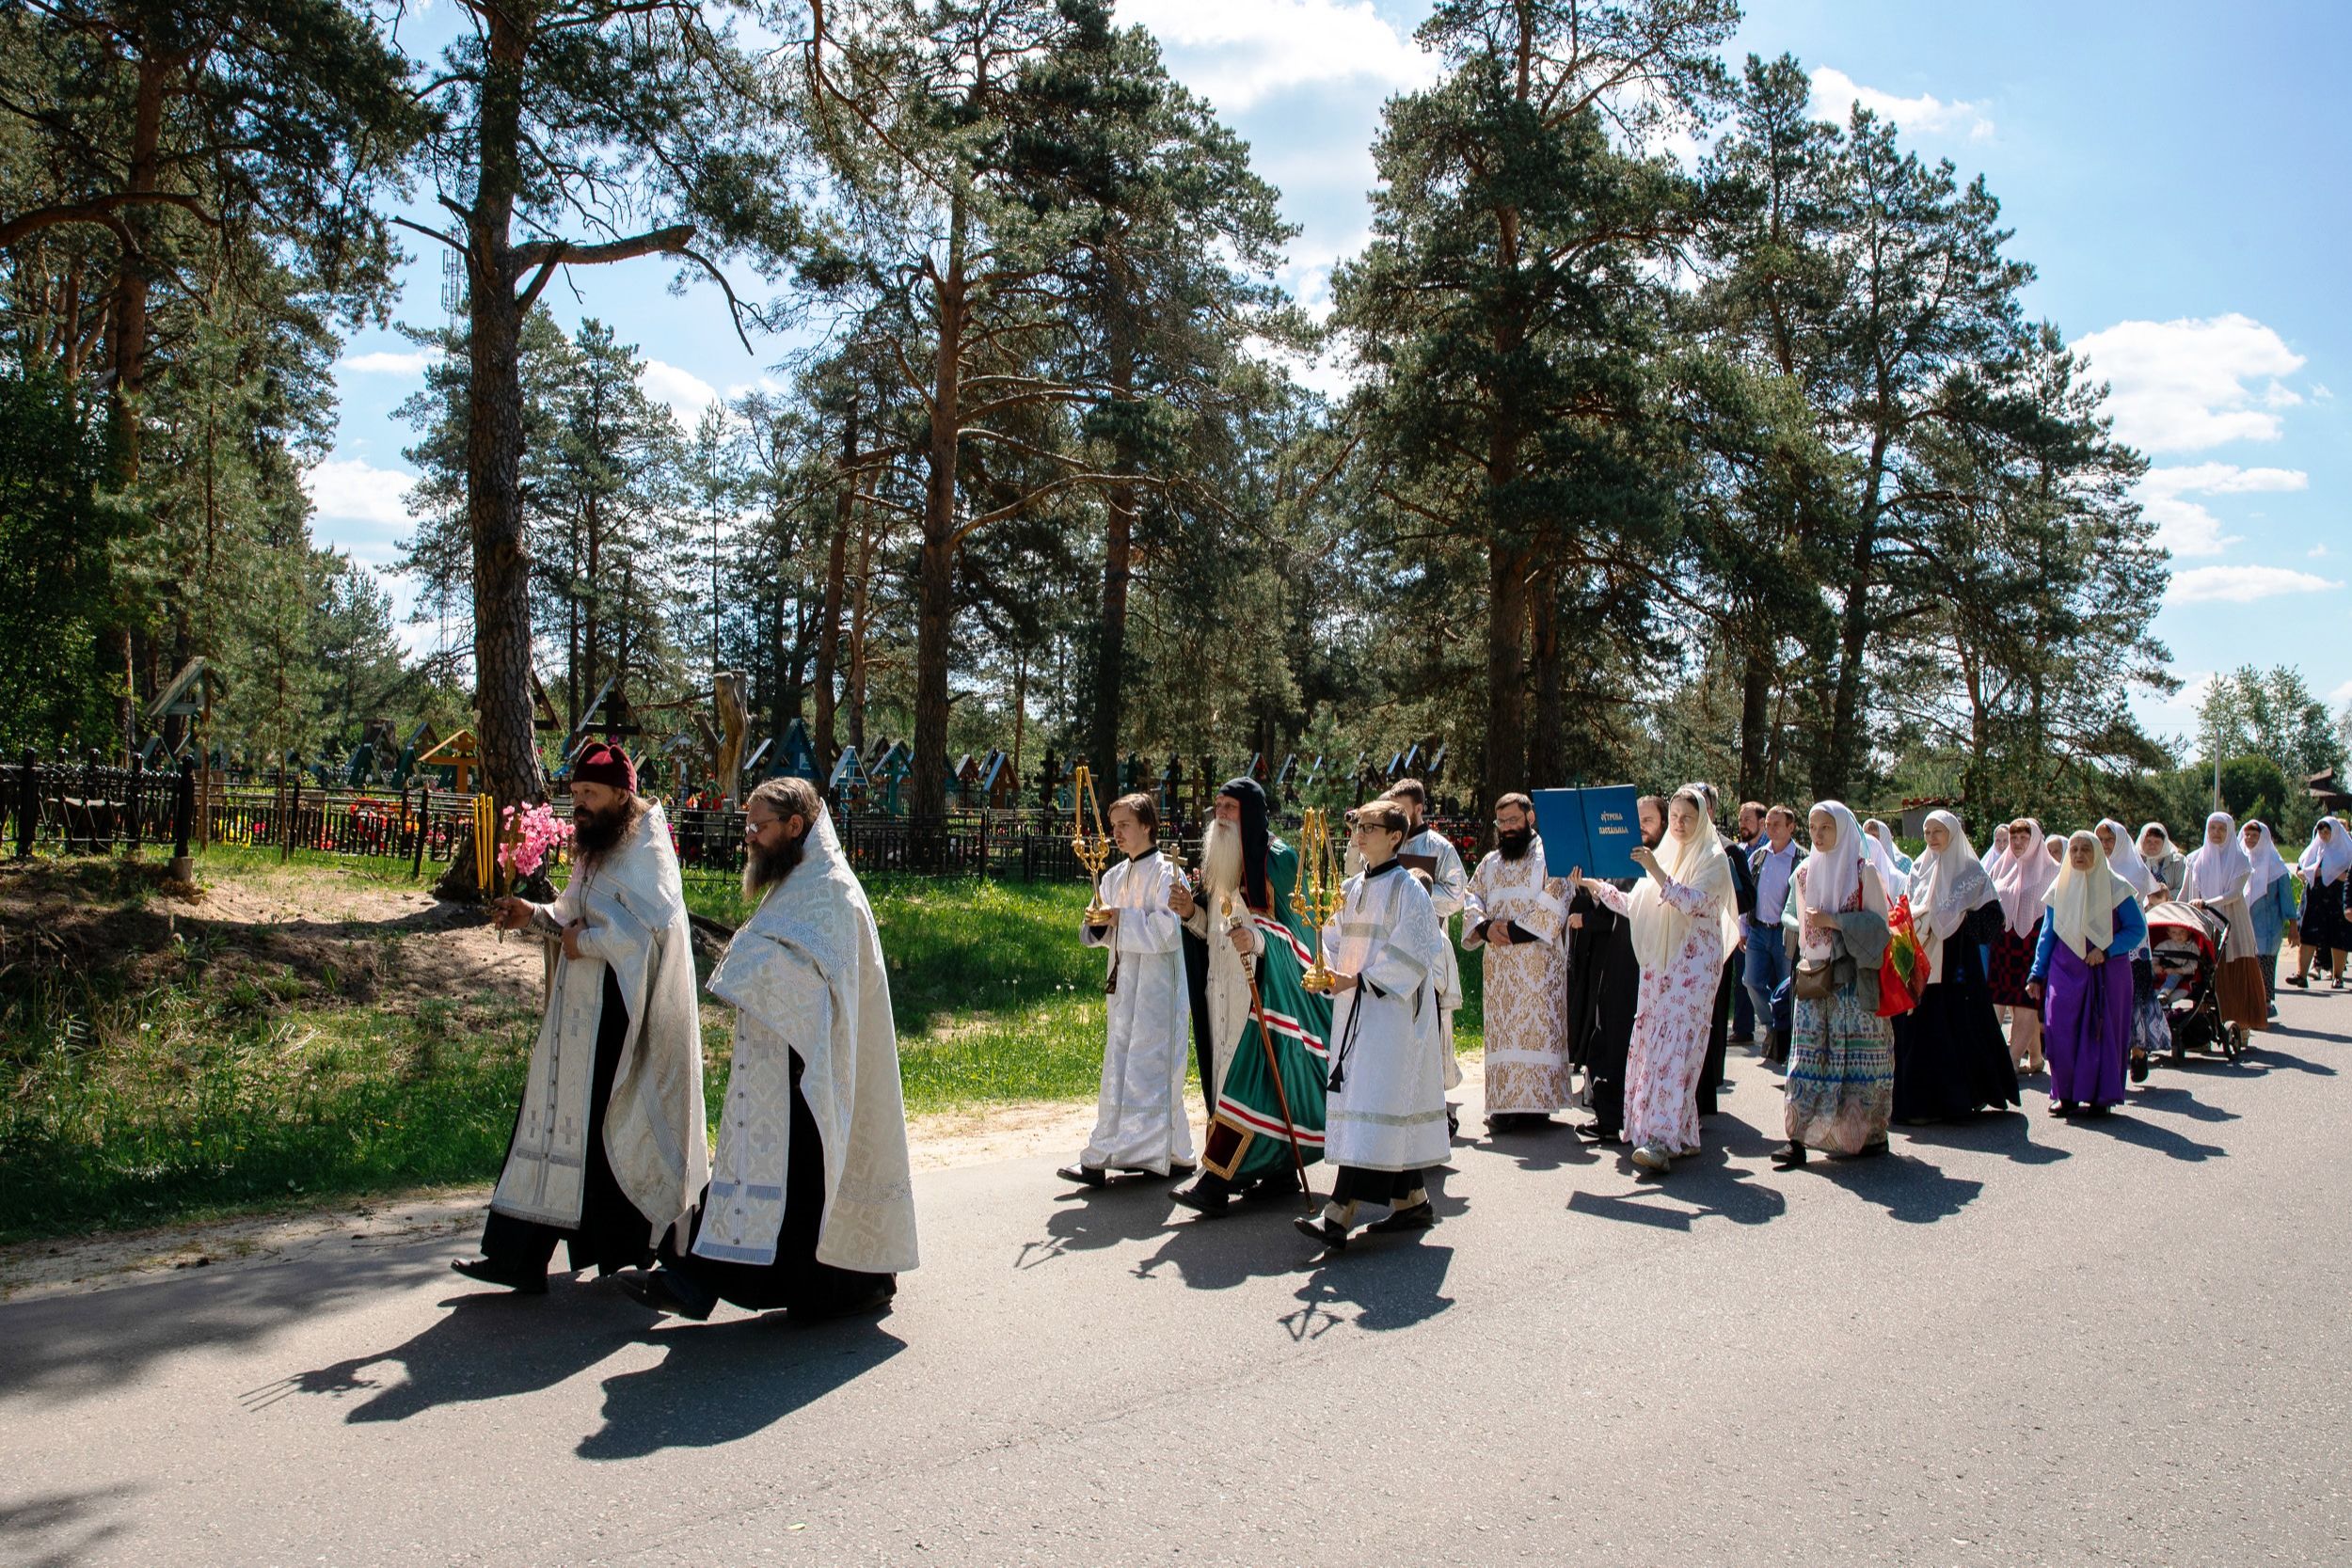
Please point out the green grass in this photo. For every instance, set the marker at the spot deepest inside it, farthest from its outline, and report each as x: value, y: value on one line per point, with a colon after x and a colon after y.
x: 149, y: 1075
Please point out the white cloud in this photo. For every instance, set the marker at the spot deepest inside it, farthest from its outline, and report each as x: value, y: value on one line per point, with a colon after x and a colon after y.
x: 2183, y: 385
x: 2342, y: 694
x: 687, y: 393
x: 2317, y: 552
x: 349, y: 490
x: 2243, y: 584
x: 2184, y: 527
x: 1234, y: 53
x: 1834, y: 93
x: 385, y: 362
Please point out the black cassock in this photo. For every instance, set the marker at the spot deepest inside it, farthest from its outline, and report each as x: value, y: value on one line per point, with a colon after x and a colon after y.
x: 1604, y: 986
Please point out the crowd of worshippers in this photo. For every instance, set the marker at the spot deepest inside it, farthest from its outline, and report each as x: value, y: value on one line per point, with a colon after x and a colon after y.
x: 1334, y: 1044
x: 1622, y: 997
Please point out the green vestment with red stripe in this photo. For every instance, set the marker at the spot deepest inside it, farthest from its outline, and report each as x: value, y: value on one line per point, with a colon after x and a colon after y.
x: 1298, y: 1023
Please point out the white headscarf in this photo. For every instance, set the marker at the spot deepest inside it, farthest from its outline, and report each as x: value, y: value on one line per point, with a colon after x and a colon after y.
x: 2024, y: 879
x: 1698, y: 862
x: 1946, y: 885
x: 2220, y: 870
x: 2082, y: 903
x: 2126, y: 863
x: 1885, y: 855
x: 2268, y: 866
x: 1999, y: 857
x: 2330, y: 860
x: 1833, y: 877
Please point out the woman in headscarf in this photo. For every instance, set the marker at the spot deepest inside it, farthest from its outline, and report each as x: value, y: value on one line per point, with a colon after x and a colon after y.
x: 1677, y: 915
x: 2215, y: 880
x: 2093, y: 924
x: 2021, y: 884
x: 2151, y: 1029
x: 1841, y: 1054
x: 1992, y: 863
x: 1950, y: 1058
x: 2161, y: 858
x: 2270, y: 904
x: 1890, y: 855
x: 2325, y: 930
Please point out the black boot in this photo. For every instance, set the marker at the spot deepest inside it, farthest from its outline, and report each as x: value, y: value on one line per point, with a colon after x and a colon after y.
x: 490, y: 1272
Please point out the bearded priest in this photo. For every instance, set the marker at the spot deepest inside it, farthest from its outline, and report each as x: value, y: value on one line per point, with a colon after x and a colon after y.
x: 1242, y: 909
x: 608, y: 1146
x: 811, y: 1204
x: 1516, y: 911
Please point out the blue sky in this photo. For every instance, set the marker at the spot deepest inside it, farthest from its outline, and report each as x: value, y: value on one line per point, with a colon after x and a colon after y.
x: 2178, y: 178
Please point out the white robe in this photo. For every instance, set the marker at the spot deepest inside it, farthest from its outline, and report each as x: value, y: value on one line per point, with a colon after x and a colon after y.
x: 1449, y: 886
x: 1228, y: 984
x: 1139, y: 1120
x: 654, y: 1137
x: 1386, y: 1109
x: 805, y: 976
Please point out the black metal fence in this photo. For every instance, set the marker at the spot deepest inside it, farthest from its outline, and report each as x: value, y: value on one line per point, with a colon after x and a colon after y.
x: 85, y: 807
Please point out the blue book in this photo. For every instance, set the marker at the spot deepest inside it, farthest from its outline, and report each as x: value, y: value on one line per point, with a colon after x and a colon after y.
x: 1589, y: 831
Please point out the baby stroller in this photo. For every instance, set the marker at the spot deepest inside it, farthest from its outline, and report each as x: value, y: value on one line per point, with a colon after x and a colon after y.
x: 2184, y: 945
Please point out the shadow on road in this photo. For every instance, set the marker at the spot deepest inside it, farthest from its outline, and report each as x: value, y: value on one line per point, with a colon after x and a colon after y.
x: 718, y: 1382
x: 1703, y: 1184
x: 57, y: 1529
x: 2178, y: 1101
x: 2009, y: 1133
x: 1906, y: 1186
x: 1096, y: 1217
x: 2266, y: 1056
x: 487, y: 1345
x: 72, y: 1346
x: 1392, y: 1282
x: 2147, y: 1134
x: 1553, y: 1146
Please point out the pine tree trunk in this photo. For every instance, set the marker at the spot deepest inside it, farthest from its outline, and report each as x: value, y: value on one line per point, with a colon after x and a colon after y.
x: 837, y: 570
x: 1755, y: 718
x: 1547, y: 742
x: 494, y: 446
x: 1110, y: 656
x: 935, y: 561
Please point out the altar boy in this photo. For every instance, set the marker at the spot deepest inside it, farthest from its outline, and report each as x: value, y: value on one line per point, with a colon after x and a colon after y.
x: 1141, y: 1127
x: 1385, y: 1121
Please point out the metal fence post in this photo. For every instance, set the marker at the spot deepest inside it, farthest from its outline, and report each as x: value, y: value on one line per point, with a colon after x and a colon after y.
x: 285, y: 823
x: 130, y: 806
x: 27, y: 803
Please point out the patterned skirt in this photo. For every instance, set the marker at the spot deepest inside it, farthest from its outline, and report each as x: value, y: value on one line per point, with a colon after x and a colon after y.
x: 2012, y: 966
x: 1842, y: 1075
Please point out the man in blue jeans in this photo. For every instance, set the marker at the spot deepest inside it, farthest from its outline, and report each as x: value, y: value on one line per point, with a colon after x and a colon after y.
x: 1766, y: 976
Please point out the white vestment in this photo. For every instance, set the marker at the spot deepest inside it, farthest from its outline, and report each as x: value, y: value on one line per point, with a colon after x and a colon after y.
x: 805, y: 976
x: 1228, y: 983
x: 1526, y: 991
x: 1387, y: 1104
x: 654, y: 1130
x: 1139, y: 1119
x: 1448, y: 887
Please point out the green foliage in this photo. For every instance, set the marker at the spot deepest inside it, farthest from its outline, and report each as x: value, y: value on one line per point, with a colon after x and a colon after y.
x: 56, y: 568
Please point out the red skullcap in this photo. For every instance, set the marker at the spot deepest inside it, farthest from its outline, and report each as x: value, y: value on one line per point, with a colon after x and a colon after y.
x: 604, y: 764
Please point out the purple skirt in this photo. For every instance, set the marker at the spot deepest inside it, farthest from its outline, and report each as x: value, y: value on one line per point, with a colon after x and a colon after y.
x: 2087, y: 1027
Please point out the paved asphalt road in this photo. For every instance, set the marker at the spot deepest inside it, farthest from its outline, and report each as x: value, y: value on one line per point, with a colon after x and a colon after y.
x: 2017, y: 1341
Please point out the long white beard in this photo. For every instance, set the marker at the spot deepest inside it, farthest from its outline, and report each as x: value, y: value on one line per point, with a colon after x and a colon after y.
x: 1220, y: 860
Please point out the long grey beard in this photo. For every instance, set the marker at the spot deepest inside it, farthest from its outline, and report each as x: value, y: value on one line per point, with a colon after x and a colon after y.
x: 1220, y: 861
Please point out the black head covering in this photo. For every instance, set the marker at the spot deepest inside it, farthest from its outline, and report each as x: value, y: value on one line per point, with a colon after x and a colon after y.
x: 1255, y: 840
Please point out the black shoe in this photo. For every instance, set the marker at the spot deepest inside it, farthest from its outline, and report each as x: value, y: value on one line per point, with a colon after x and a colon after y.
x: 1788, y: 1156
x: 875, y: 1300
x: 1420, y: 1216
x: 1329, y: 1232
x: 2299, y: 982
x: 1209, y: 1205
x: 1739, y: 1039
x: 1453, y: 1121
x: 1872, y: 1150
x: 1182, y: 1173
x: 1271, y: 1189
x: 664, y: 1291
x: 489, y: 1273
x: 2140, y: 1067
x: 1085, y: 1175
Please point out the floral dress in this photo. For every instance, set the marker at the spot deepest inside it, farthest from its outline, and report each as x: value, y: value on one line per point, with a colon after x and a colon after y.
x: 1841, y: 1057
x: 1670, y: 1024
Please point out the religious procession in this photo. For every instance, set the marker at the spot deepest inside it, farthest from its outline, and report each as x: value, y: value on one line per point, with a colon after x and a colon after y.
x: 1312, y: 987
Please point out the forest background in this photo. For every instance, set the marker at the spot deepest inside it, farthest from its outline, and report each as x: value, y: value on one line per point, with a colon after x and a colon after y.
x: 1677, y: 431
